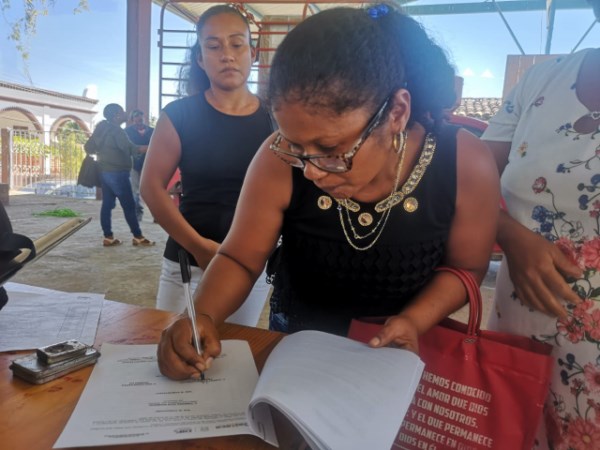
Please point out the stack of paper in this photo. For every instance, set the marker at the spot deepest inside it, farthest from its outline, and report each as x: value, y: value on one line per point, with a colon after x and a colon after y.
x: 35, y: 317
x: 338, y: 394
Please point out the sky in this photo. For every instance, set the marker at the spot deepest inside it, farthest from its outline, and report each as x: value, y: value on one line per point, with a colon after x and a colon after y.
x: 70, y: 53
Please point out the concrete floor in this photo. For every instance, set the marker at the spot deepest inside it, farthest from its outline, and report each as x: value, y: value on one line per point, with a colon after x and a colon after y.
x: 124, y: 273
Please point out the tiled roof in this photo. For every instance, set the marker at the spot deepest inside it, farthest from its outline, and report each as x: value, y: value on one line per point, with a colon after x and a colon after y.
x: 479, y: 108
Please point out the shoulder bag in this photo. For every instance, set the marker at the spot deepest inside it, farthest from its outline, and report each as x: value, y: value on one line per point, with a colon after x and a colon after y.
x: 480, y: 389
x: 89, y: 173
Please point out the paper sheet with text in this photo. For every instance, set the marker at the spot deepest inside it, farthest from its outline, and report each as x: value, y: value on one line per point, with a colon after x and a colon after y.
x: 35, y: 317
x: 127, y: 400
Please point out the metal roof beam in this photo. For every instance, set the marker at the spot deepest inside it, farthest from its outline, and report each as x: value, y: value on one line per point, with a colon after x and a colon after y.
x: 550, y: 13
x: 488, y: 7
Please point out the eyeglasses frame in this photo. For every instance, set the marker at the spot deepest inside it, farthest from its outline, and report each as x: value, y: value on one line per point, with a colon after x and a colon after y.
x: 345, y: 157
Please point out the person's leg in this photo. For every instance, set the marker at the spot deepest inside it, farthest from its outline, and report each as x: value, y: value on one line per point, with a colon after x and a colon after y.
x: 135, y: 187
x: 124, y: 193
x: 170, y: 296
x: 108, y: 203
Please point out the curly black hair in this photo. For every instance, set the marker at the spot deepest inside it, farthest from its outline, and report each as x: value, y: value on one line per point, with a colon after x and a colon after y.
x: 346, y: 58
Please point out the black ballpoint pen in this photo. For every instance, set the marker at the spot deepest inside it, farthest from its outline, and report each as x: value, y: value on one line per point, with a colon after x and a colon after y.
x: 186, y: 275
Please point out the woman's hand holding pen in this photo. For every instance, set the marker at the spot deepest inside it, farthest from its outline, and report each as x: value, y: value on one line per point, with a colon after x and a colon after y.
x: 177, y: 356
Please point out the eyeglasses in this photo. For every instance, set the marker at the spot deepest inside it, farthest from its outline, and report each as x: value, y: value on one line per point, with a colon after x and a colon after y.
x: 328, y: 163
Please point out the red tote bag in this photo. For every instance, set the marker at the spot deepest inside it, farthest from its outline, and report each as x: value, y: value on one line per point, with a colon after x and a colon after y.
x: 479, y: 390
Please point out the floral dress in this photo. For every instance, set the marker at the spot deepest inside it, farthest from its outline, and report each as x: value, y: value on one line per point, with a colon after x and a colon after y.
x: 552, y: 185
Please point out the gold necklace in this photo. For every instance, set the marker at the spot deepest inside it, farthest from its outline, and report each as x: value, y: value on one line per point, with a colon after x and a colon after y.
x: 385, y: 206
x: 410, y: 204
x: 379, y: 226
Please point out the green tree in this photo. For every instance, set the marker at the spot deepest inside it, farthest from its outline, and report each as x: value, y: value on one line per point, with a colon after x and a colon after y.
x: 69, y: 148
x: 71, y: 128
x: 24, y: 27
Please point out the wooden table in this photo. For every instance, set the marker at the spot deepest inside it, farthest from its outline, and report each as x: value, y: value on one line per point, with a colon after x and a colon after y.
x: 33, y: 416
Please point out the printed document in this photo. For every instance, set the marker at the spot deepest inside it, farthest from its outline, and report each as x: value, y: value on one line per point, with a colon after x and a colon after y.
x: 127, y: 400
x: 337, y: 393
x: 35, y: 317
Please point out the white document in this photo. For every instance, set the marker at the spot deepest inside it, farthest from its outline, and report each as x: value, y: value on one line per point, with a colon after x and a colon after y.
x: 127, y: 400
x: 339, y: 394
x: 35, y: 317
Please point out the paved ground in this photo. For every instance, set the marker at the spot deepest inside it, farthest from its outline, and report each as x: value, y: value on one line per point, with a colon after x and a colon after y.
x: 124, y: 273
x: 80, y: 263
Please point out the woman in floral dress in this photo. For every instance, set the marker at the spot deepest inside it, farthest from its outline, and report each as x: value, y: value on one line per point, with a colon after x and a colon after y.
x: 546, y: 141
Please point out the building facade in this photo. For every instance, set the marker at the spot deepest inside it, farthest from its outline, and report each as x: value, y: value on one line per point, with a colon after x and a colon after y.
x: 24, y: 108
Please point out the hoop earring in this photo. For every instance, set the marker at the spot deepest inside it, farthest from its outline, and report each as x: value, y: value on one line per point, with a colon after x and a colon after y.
x: 399, y: 142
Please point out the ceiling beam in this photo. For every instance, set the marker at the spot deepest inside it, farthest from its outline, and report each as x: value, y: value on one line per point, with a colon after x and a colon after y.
x: 488, y: 7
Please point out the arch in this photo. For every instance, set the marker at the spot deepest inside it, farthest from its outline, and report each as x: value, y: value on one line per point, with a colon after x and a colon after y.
x: 28, y: 114
x: 69, y: 117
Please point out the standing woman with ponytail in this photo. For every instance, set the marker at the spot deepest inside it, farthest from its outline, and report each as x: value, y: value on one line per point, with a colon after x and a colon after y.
x: 211, y: 135
x: 368, y: 188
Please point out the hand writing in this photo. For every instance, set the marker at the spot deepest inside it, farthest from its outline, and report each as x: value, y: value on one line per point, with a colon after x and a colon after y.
x: 177, y: 357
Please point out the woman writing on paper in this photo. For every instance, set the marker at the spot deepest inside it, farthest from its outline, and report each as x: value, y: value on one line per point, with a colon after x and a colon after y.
x: 368, y: 188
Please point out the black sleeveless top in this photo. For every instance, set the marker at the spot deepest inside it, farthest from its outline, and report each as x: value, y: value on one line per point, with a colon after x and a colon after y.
x: 216, y: 150
x: 321, y: 282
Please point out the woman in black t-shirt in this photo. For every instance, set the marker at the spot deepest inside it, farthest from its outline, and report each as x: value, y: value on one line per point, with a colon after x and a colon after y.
x: 211, y: 135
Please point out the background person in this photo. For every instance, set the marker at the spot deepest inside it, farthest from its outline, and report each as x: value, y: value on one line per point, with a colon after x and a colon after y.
x: 139, y: 133
x: 115, y: 151
x: 367, y: 186
x: 211, y: 135
x: 545, y: 140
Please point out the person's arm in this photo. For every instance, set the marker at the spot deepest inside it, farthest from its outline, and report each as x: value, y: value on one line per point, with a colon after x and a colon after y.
x: 500, y: 151
x: 469, y: 247
x: 536, y: 267
x: 124, y: 144
x: 90, y: 146
x: 159, y: 166
x: 232, y: 272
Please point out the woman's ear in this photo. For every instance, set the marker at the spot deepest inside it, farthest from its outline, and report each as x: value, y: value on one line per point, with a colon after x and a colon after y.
x: 400, y: 110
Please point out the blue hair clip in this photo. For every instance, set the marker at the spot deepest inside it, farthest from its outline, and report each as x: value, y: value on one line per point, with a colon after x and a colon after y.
x: 378, y: 11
